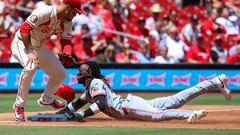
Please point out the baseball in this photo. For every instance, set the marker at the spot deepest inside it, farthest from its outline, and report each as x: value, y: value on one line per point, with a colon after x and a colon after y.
x: 53, y: 37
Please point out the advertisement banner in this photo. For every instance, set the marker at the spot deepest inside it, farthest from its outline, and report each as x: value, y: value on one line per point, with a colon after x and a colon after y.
x: 128, y: 79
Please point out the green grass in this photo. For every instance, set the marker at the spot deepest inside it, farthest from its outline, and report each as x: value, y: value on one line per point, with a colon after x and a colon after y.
x: 6, y: 102
x: 30, y: 130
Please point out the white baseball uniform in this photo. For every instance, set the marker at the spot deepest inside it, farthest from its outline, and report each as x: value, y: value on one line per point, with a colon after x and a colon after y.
x: 44, y: 22
x: 134, y: 107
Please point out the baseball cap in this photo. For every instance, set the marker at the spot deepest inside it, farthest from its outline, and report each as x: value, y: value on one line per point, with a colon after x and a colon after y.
x: 75, y: 4
x: 156, y: 8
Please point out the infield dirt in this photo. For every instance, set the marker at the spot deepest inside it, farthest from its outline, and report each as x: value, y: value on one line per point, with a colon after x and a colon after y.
x: 214, y: 120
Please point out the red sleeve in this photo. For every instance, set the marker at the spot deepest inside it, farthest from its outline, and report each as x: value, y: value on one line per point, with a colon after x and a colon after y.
x: 67, y: 46
x: 26, y: 28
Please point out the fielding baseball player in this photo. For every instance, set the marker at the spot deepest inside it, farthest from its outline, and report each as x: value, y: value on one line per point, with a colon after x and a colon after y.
x: 98, y: 92
x: 28, y: 47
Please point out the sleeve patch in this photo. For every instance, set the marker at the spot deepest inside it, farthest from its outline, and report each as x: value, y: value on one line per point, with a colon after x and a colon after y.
x: 96, y: 91
x: 34, y: 19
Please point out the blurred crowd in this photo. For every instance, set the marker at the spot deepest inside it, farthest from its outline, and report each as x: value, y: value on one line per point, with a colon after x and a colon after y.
x: 139, y: 31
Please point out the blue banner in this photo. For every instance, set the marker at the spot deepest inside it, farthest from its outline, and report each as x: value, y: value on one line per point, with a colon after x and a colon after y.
x: 128, y: 79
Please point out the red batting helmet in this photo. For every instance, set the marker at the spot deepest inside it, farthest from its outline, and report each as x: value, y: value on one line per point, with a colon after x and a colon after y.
x: 75, y: 4
x: 66, y: 92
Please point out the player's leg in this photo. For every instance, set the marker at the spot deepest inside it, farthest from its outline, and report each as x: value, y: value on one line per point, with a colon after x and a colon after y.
x: 179, y: 99
x: 56, y: 72
x: 137, y: 108
x: 192, y: 117
x: 19, y: 52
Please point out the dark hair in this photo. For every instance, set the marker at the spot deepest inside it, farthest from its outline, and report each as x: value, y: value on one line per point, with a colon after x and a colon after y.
x: 219, y: 30
x: 214, y: 56
x: 85, y: 26
x: 100, y: 50
x: 86, y: 9
x: 96, y: 73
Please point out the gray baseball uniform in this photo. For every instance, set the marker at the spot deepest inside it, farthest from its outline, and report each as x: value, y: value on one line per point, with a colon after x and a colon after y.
x: 134, y: 107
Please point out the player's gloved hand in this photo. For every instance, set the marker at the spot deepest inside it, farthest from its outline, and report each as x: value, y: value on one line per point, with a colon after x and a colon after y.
x: 66, y: 59
x: 78, y: 116
x: 69, y: 116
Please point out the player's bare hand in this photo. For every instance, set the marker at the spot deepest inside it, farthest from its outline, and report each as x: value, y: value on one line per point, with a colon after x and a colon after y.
x: 32, y: 60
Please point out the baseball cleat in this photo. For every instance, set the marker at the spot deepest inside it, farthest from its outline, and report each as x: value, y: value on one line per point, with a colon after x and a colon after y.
x: 222, y: 85
x: 55, y: 104
x: 196, y: 115
x: 18, y: 113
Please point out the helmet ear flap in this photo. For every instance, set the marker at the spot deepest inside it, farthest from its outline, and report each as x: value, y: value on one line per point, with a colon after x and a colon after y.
x: 66, y: 92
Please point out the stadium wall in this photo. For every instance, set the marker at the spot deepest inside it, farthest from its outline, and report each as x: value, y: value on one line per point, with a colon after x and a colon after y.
x: 131, y: 77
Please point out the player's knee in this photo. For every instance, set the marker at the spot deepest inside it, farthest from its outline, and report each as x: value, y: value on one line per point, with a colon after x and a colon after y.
x: 61, y: 75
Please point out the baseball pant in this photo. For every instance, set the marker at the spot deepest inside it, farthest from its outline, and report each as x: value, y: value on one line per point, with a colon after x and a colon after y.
x: 48, y: 62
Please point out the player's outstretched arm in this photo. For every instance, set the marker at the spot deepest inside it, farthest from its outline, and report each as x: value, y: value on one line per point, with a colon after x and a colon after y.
x: 99, y: 105
x: 73, y: 106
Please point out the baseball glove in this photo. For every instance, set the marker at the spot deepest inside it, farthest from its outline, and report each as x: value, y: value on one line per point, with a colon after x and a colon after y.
x: 66, y: 59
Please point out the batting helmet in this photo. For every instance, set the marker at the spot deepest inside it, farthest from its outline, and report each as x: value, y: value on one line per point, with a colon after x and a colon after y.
x: 66, y: 92
x: 75, y: 4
